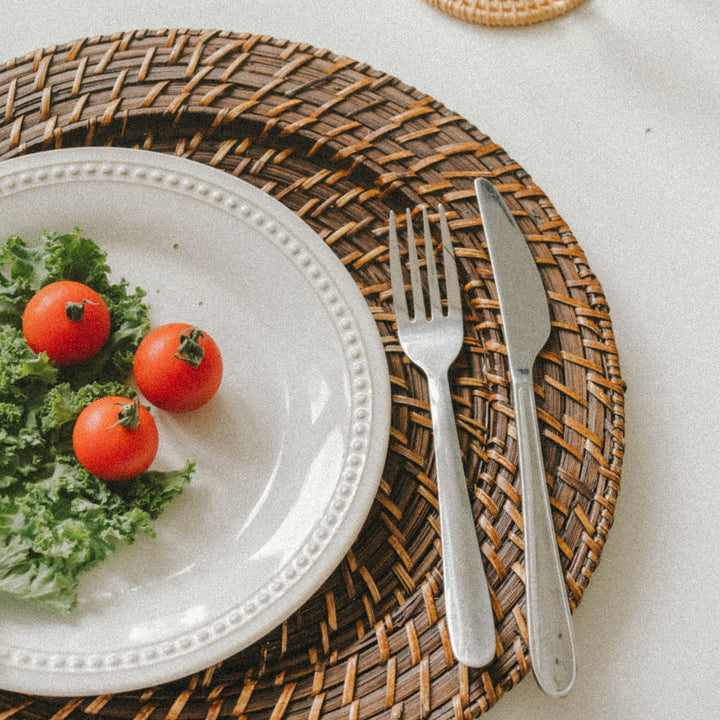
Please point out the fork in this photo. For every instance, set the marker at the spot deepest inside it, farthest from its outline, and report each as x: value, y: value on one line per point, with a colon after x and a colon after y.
x: 433, y: 344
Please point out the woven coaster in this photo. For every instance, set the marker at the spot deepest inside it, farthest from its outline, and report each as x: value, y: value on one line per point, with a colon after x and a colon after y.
x: 343, y: 144
x: 505, y: 12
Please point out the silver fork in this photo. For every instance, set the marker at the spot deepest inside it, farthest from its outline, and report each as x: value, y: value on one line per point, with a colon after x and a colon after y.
x: 433, y: 344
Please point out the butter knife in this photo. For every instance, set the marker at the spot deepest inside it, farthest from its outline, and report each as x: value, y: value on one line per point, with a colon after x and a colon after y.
x: 526, y: 325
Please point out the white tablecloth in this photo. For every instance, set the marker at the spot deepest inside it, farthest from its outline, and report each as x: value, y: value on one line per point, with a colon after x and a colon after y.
x: 614, y: 110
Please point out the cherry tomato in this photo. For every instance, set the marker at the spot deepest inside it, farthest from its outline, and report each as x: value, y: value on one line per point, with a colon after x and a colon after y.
x: 178, y: 367
x: 68, y: 320
x: 115, y: 438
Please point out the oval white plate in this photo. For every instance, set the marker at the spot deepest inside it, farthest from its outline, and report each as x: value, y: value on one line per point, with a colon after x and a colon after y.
x: 289, y: 453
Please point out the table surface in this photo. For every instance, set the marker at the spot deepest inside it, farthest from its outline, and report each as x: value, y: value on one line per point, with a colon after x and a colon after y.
x: 613, y: 109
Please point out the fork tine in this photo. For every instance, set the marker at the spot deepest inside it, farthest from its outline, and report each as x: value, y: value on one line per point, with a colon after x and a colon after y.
x: 433, y: 284
x: 415, y: 279
x: 452, y: 284
x: 396, y: 274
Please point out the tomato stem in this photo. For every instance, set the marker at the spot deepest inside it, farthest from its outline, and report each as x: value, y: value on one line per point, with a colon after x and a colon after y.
x: 76, y: 310
x: 190, y: 350
x: 128, y: 416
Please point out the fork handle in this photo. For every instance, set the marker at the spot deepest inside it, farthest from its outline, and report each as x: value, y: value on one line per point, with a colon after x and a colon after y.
x: 550, y: 634
x: 468, y: 609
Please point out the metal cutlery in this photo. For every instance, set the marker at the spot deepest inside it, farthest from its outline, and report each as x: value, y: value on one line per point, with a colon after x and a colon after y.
x: 433, y: 344
x: 526, y: 325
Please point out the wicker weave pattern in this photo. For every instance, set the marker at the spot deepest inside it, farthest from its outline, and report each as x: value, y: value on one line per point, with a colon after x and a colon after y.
x: 505, y: 12
x: 342, y: 144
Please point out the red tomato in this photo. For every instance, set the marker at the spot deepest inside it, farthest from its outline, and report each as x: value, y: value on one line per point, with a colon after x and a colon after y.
x: 115, y: 438
x: 68, y: 320
x: 178, y: 367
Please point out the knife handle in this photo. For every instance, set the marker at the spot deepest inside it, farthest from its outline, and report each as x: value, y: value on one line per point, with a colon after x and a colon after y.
x: 550, y: 633
x: 468, y: 609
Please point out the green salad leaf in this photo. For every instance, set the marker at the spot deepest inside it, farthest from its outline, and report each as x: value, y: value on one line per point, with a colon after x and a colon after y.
x: 56, y: 519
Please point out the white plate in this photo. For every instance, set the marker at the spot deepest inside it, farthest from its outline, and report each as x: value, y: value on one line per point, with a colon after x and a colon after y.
x: 289, y: 453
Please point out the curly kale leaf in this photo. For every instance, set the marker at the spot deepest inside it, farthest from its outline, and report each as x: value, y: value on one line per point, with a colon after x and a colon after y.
x: 68, y: 522
x: 57, y: 256
x: 62, y: 404
x: 22, y: 372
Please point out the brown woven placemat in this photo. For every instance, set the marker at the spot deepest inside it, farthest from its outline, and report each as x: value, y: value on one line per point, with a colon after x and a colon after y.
x: 342, y: 144
x: 505, y: 12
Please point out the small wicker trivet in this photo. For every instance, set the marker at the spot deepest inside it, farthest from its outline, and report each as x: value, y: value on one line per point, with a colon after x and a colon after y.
x: 505, y: 12
x: 342, y: 144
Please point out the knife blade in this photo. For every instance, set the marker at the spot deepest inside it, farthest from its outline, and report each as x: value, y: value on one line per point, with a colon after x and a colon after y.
x: 526, y: 326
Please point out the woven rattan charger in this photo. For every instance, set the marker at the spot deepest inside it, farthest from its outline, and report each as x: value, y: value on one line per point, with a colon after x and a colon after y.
x: 341, y: 144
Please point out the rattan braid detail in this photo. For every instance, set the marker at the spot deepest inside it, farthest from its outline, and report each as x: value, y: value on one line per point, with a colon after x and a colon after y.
x: 341, y: 144
x: 505, y: 12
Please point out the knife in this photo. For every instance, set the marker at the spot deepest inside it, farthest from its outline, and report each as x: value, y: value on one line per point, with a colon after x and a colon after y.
x: 526, y: 325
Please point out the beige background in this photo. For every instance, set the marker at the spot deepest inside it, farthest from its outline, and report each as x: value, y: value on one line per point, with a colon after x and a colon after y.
x: 613, y: 109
